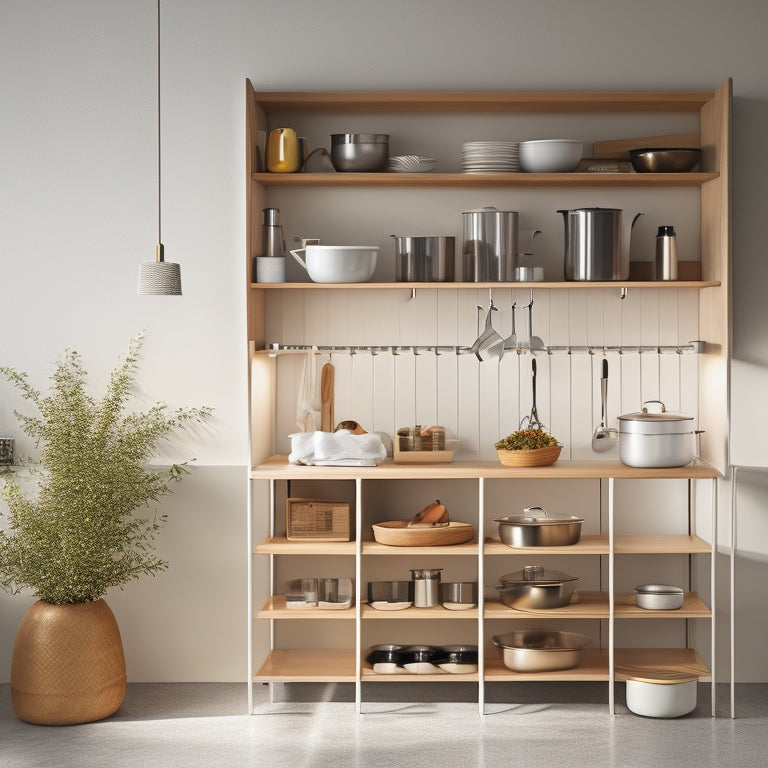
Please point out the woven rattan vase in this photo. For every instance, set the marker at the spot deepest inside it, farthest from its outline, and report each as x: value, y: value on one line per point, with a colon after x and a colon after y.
x: 68, y: 665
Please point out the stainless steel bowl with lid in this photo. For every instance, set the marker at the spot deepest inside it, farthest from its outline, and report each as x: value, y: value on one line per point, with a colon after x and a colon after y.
x: 656, y: 439
x: 534, y: 588
x: 536, y: 527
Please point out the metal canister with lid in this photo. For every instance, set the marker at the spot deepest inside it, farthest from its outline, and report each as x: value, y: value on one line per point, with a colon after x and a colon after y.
x: 426, y: 586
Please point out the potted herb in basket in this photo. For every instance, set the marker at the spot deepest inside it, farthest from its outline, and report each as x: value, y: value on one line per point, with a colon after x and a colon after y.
x: 80, y: 522
x: 528, y: 448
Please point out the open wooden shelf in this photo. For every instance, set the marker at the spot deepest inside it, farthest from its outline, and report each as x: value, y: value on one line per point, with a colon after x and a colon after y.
x: 617, y: 285
x: 374, y: 548
x: 594, y: 665
x: 308, y: 666
x: 594, y: 605
x: 588, y: 544
x: 275, y: 608
x: 437, y: 612
x: 278, y: 468
x: 439, y: 677
x: 280, y: 545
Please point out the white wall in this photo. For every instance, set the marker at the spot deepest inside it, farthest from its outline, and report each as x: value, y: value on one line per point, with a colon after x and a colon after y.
x: 77, y: 196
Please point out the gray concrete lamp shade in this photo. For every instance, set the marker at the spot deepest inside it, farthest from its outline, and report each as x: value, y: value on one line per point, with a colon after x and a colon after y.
x: 159, y: 277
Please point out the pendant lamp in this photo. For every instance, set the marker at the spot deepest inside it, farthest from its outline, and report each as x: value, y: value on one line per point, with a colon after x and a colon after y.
x: 159, y: 277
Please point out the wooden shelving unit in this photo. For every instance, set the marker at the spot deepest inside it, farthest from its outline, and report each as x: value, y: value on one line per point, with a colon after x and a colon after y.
x: 347, y: 665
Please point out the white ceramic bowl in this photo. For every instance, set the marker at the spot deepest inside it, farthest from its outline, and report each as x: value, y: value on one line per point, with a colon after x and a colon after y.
x: 662, y: 698
x: 659, y: 597
x: 550, y: 155
x: 338, y: 263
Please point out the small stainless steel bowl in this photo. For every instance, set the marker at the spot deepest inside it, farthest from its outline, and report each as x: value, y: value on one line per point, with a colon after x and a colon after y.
x: 659, y: 597
x: 458, y: 595
x: 360, y: 152
x: 679, y: 160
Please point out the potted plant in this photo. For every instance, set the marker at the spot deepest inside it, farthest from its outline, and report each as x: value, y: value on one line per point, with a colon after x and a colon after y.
x: 528, y: 448
x: 81, y: 521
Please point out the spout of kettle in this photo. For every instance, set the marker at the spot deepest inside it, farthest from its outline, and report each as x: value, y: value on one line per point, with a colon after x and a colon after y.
x: 634, y: 221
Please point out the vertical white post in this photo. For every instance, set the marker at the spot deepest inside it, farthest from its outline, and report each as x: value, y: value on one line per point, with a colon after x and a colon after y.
x: 734, y: 520
x: 481, y: 598
x: 249, y: 592
x: 713, y: 599
x: 611, y: 671
x: 358, y: 599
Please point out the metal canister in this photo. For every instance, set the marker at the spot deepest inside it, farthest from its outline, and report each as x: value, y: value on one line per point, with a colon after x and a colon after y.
x: 426, y: 586
x: 489, y: 253
x: 424, y: 259
x: 666, y: 254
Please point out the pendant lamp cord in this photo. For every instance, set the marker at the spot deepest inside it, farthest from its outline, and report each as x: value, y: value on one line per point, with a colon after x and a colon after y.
x: 159, y: 139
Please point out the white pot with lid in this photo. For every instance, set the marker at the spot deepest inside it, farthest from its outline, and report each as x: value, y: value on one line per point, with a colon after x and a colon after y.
x: 660, y: 439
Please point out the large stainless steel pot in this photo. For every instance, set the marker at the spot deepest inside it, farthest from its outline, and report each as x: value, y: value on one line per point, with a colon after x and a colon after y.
x: 537, y: 528
x: 489, y: 252
x: 424, y: 259
x: 663, y: 439
x: 540, y: 650
x: 536, y: 589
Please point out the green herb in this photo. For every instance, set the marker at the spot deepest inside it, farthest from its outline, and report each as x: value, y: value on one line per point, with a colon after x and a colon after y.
x: 77, y: 533
x: 526, y: 440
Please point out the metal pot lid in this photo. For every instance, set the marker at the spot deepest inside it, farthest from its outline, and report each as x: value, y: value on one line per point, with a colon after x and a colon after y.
x: 537, y: 574
x: 537, y: 516
x: 664, y: 422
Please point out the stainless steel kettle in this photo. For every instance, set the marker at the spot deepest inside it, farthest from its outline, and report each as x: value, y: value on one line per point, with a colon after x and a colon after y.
x: 595, y: 246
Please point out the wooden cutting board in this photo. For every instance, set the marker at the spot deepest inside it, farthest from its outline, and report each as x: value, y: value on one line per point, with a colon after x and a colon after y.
x: 326, y: 398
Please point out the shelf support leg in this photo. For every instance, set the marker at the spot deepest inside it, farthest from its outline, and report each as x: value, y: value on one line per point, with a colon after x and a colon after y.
x: 611, y: 639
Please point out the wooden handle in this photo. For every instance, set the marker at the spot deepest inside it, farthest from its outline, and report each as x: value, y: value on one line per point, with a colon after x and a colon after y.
x: 326, y: 398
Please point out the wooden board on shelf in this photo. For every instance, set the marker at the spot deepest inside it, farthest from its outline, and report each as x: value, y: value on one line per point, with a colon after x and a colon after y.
x: 588, y: 544
x: 662, y: 543
x: 436, y: 612
x: 308, y: 666
x: 593, y: 666
x: 659, y: 659
x: 279, y: 545
x: 374, y: 548
x: 376, y: 286
x: 594, y: 605
x: 276, y: 608
x: 441, y: 677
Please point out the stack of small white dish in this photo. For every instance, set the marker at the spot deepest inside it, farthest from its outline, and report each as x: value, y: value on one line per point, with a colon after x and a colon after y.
x: 411, y: 164
x: 490, y: 156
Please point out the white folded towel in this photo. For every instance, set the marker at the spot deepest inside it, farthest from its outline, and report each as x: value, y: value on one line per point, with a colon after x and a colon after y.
x: 340, y: 448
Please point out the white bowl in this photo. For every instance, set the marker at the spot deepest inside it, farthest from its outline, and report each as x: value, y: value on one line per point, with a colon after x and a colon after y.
x: 670, y: 697
x: 338, y: 263
x: 550, y: 155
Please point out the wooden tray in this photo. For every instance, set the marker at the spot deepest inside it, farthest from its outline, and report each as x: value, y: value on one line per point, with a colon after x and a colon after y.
x: 396, y: 533
x: 538, y: 457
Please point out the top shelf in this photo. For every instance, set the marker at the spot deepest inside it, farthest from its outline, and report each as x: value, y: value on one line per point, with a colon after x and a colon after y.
x: 468, y: 180
x: 349, y: 102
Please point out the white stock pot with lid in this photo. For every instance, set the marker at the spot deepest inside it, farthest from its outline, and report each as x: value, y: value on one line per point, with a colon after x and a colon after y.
x: 660, y: 439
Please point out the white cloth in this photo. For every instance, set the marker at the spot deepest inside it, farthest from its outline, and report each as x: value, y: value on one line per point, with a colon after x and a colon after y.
x: 308, y: 403
x: 340, y: 448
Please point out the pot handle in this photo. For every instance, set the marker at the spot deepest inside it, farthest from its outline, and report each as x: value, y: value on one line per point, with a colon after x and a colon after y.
x: 528, y: 510
x: 658, y: 402
x: 298, y: 258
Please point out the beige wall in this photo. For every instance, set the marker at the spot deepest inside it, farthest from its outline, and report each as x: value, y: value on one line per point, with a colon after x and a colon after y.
x: 78, y: 215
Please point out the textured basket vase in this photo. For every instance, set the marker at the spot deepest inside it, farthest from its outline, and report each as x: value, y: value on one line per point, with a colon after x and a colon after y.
x: 538, y: 457
x: 68, y: 665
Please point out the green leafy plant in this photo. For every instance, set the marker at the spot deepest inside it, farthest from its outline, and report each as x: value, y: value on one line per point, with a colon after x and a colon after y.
x: 526, y: 440
x: 78, y: 531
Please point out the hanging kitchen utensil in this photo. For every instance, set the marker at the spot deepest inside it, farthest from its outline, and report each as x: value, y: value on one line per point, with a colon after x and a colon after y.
x: 604, y: 437
x: 489, y: 343
x: 534, y: 341
x: 511, y: 341
x: 532, y: 421
x: 326, y: 398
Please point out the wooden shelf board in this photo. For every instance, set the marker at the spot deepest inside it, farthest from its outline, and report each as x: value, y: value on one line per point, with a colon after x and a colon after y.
x: 660, y: 544
x: 594, y: 605
x: 660, y: 285
x: 350, y: 102
x: 280, y: 545
x: 278, y: 468
x: 588, y: 544
x: 437, y: 612
x: 369, y: 676
x: 594, y: 665
x: 472, y: 180
x: 275, y: 608
x: 308, y: 666
x: 374, y: 548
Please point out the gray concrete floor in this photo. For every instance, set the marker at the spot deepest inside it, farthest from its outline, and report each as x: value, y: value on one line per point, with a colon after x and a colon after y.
x: 191, y: 725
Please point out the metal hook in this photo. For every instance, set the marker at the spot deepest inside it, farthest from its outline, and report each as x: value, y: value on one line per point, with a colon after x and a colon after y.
x: 622, y: 293
x: 415, y: 350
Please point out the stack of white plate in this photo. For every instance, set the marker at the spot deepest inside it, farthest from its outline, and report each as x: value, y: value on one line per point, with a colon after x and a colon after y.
x: 411, y: 164
x: 490, y: 156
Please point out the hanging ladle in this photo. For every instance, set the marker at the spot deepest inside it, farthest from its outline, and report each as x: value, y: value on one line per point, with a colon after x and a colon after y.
x: 488, y: 344
x: 511, y: 341
x: 605, y: 437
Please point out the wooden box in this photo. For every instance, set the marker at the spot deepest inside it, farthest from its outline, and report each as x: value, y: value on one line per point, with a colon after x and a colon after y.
x: 317, y: 519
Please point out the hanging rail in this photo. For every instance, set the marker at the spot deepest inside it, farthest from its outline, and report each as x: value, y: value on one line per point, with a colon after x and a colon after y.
x: 692, y: 347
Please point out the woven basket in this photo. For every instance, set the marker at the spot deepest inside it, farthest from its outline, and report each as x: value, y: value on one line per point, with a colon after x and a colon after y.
x: 396, y: 533
x: 68, y: 665
x: 538, y: 457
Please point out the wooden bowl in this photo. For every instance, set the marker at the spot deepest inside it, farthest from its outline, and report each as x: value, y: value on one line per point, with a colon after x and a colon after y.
x: 538, y: 457
x: 396, y: 533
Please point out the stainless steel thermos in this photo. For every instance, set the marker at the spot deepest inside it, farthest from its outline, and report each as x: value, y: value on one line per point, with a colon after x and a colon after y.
x: 666, y: 254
